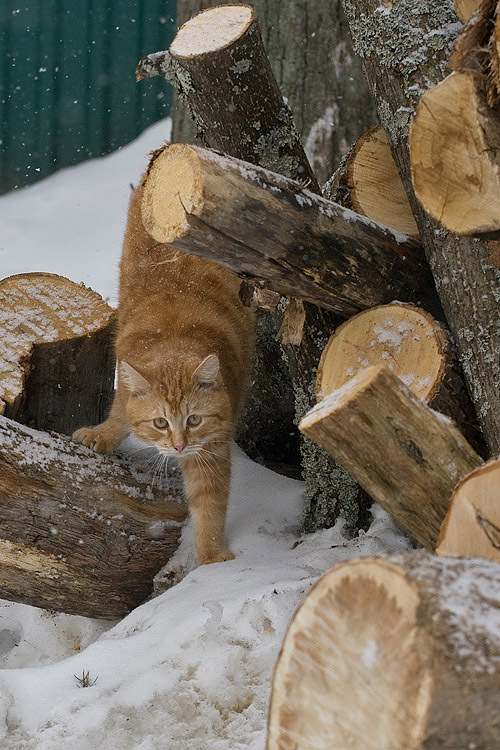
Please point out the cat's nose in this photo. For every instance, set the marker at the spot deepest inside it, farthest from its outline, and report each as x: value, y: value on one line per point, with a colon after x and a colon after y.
x: 179, y: 448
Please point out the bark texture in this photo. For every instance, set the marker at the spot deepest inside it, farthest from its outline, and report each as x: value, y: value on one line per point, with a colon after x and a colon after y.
x: 404, y: 49
x: 262, y: 225
x: 80, y: 532
x: 392, y: 654
x: 311, y: 56
x: 406, y: 456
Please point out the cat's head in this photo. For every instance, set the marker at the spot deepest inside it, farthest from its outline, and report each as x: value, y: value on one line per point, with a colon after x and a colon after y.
x: 180, y: 408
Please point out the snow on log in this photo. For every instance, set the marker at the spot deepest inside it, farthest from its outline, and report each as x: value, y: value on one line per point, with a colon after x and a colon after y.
x: 406, y: 456
x: 472, y: 525
x: 411, y: 343
x: 264, y: 225
x: 219, y: 66
x: 79, y: 532
x: 369, y: 183
x: 392, y: 654
x: 454, y: 141
x: 56, y: 352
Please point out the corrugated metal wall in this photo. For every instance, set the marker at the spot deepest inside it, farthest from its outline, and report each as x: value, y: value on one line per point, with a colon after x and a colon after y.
x: 67, y: 80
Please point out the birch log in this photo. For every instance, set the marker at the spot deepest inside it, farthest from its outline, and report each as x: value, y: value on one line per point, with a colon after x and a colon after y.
x: 80, y: 532
x: 261, y: 224
x: 406, y: 456
x: 392, y: 654
x: 405, y: 49
x: 56, y: 352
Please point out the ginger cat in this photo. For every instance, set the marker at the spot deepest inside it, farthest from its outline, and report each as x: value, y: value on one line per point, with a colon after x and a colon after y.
x: 184, y: 345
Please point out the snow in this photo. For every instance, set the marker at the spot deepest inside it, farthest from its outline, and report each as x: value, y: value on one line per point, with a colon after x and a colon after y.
x: 190, y: 669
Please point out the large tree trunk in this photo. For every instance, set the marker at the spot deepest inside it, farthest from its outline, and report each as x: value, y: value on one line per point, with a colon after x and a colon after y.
x: 80, y: 532
x: 405, y: 48
x: 395, y: 654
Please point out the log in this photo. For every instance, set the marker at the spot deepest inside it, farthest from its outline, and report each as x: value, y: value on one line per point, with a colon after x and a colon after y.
x: 392, y: 654
x: 263, y: 225
x: 368, y: 182
x: 80, y: 532
x: 454, y: 140
x: 244, y: 104
x: 415, y: 346
x: 472, y: 525
x: 466, y: 8
x: 405, y: 49
x: 406, y: 456
x: 56, y: 356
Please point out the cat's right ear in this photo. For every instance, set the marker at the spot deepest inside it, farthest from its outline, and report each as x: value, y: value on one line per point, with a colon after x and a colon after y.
x: 133, y: 380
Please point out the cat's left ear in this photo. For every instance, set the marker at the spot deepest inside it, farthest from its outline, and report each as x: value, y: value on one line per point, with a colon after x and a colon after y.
x: 207, y: 371
x: 133, y: 380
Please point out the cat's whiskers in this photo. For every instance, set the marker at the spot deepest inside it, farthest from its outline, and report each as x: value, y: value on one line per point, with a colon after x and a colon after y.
x: 211, y: 467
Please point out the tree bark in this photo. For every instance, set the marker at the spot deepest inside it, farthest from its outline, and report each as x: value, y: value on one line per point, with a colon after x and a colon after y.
x: 406, y: 456
x: 392, y: 654
x: 415, y: 347
x: 56, y: 356
x: 405, y: 49
x: 81, y: 532
x: 472, y: 525
x: 368, y: 182
x: 263, y: 225
x: 311, y: 56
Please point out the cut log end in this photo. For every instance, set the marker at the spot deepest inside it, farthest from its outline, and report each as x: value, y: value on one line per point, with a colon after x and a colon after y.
x: 453, y: 140
x: 472, y: 525
x: 173, y: 189
x: 212, y: 30
x: 375, y: 186
x: 42, y: 309
x: 353, y: 643
x: 405, y: 338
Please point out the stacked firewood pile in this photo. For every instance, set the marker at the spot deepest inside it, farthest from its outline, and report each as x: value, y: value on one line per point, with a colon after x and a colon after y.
x: 383, y: 653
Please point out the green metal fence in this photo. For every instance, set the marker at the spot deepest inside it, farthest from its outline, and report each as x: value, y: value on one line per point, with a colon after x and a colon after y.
x: 67, y: 80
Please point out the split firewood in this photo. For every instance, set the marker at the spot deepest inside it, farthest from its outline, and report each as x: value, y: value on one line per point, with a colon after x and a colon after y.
x: 411, y: 343
x: 453, y: 148
x: 369, y: 183
x: 219, y: 66
x: 392, y: 654
x: 261, y: 224
x: 399, y: 66
x: 406, y: 456
x: 80, y: 532
x: 472, y: 525
x: 56, y: 353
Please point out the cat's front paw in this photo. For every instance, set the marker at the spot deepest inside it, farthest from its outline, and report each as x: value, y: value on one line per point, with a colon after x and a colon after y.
x: 95, y: 438
x: 220, y: 555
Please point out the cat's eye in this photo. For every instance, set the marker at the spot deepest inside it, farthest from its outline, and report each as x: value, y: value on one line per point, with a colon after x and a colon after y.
x: 194, y: 420
x: 160, y: 423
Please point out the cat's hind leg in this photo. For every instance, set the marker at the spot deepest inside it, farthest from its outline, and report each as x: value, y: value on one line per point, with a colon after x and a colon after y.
x: 107, y: 436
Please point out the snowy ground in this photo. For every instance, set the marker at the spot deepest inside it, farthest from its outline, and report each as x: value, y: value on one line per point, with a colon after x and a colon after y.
x: 191, y: 669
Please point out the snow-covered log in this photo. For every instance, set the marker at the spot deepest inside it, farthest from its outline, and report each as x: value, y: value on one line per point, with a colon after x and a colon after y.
x: 79, y: 532
x: 406, y: 456
x: 264, y: 225
x: 392, y: 654
x: 56, y: 353
x: 415, y: 346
